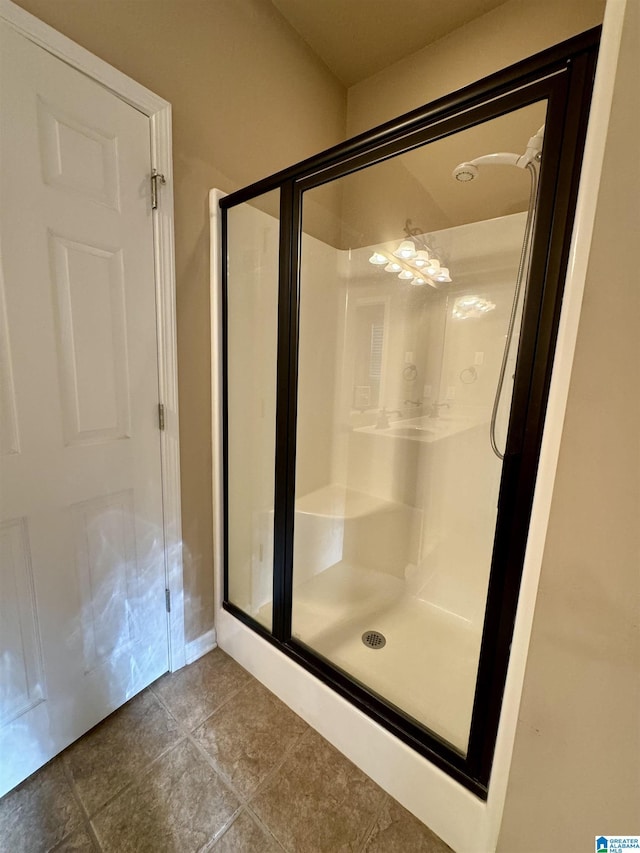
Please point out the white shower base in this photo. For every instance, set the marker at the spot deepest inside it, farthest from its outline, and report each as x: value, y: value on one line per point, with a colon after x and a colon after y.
x: 427, y: 668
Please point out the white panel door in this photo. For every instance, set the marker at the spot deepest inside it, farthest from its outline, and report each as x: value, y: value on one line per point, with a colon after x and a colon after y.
x: 82, y: 573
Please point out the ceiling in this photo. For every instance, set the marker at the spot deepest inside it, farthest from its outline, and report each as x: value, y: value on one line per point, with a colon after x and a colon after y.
x: 357, y: 38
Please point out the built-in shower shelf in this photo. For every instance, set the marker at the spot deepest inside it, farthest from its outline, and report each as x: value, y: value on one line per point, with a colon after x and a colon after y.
x: 336, y: 501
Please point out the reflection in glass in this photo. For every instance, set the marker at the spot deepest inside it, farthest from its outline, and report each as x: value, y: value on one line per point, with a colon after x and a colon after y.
x: 404, y: 314
x: 252, y: 324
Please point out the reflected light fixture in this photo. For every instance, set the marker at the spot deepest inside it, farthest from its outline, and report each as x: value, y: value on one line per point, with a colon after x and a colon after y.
x: 442, y: 275
x: 412, y: 261
x: 406, y: 250
x: 471, y: 305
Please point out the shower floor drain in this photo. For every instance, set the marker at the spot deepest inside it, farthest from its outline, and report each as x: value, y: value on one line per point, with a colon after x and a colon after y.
x: 374, y: 639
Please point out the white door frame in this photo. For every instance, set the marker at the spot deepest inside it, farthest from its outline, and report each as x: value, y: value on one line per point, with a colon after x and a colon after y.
x: 159, y: 112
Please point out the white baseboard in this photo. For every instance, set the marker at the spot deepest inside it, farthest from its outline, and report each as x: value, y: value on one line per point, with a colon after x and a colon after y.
x: 200, y: 646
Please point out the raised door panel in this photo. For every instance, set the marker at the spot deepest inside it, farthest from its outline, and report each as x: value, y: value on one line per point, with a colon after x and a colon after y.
x: 77, y: 157
x: 91, y: 341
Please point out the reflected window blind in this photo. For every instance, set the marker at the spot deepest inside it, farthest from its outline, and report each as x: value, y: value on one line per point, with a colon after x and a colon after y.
x: 375, y: 351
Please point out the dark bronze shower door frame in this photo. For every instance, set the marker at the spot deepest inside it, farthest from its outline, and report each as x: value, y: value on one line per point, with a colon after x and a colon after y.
x: 563, y: 77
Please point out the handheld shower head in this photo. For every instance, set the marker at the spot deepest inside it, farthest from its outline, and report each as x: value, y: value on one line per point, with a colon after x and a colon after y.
x: 465, y: 172
x: 468, y: 171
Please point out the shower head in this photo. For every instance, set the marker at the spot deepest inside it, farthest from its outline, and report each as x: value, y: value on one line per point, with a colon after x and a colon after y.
x: 465, y: 172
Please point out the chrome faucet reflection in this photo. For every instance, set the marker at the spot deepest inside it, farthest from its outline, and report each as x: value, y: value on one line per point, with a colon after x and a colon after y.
x: 382, y: 421
x: 434, y: 409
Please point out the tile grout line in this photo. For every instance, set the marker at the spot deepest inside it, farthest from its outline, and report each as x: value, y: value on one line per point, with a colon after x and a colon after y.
x: 202, y: 752
x: 269, y: 778
x: 147, y: 771
x: 244, y: 809
x: 164, y: 704
x: 143, y: 772
x: 210, y: 761
x: 266, y: 829
x: 188, y: 734
x: 85, y: 814
x: 368, y: 830
x: 245, y: 800
x: 192, y: 737
x: 287, y: 752
x: 218, y: 835
x: 372, y: 825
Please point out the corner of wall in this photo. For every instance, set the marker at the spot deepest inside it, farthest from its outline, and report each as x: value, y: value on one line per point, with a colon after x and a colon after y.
x: 510, y: 32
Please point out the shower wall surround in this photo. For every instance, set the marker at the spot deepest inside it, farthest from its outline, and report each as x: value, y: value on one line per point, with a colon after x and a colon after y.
x: 361, y: 492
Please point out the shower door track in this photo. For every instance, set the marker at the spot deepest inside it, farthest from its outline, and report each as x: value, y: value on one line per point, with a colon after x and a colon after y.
x: 563, y: 76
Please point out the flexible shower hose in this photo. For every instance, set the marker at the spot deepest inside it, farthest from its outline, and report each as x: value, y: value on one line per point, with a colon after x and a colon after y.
x: 522, y: 274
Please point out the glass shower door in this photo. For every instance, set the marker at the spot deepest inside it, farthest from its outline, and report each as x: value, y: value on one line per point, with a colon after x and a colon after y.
x: 251, y: 308
x: 409, y: 325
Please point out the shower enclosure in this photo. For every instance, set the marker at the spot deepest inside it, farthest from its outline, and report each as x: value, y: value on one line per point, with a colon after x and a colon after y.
x: 389, y: 317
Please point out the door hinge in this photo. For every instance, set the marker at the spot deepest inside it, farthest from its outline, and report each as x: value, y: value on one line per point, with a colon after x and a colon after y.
x: 167, y: 598
x: 161, y: 416
x: 155, y: 178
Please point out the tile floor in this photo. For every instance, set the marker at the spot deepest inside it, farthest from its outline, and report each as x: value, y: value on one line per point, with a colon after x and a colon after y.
x: 206, y: 759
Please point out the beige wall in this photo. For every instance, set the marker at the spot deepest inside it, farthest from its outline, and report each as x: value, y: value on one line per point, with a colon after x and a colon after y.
x: 511, y: 32
x: 576, y: 764
x: 248, y: 99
